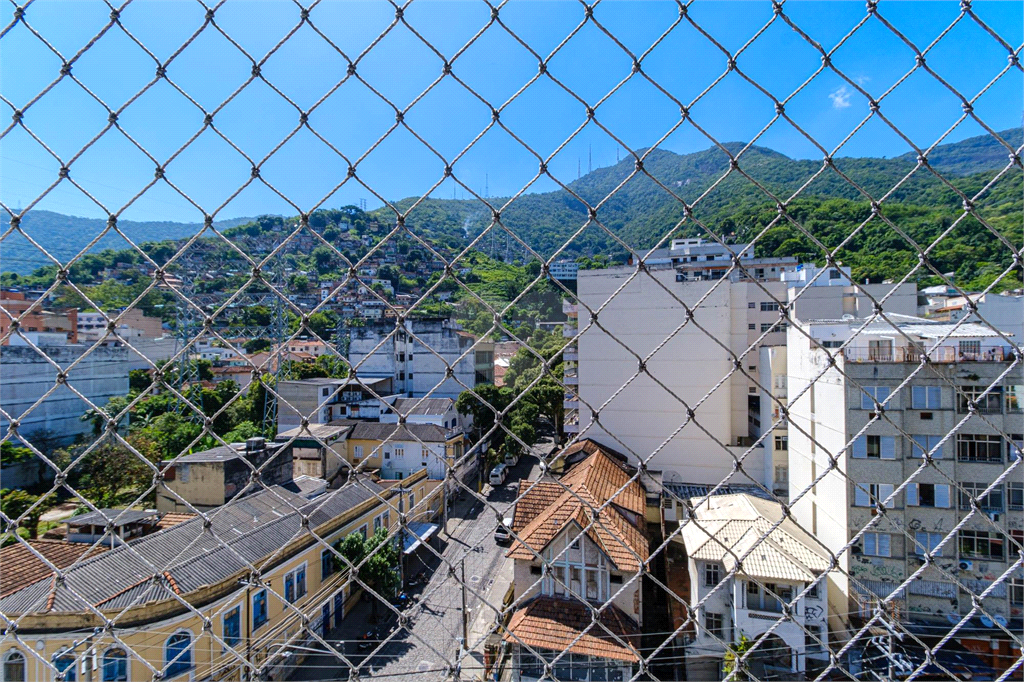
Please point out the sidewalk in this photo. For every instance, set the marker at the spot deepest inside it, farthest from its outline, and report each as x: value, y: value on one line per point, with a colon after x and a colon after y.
x: 486, y: 622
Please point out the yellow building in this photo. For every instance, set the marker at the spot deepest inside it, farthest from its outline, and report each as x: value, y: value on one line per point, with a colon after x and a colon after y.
x: 200, y: 600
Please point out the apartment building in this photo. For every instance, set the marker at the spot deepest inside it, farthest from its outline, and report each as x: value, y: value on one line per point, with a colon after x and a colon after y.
x: 201, y: 616
x: 324, y: 400
x: 748, y: 563
x: 685, y: 359
x: 815, y: 293
x: 588, y: 563
x: 130, y: 323
x: 1004, y: 312
x: 399, y: 451
x: 922, y: 402
x: 17, y: 305
x: 418, y: 354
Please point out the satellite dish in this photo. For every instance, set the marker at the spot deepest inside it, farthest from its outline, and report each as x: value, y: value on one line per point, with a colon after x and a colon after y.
x: 987, y: 622
x: 1000, y: 621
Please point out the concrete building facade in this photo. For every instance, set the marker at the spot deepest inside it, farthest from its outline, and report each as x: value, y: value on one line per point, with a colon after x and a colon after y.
x: 27, y: 376
x: 932, y: 487
x: 419, y: 354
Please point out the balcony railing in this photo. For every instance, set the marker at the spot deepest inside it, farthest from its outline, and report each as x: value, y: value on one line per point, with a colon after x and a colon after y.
x: 570, y: 356
x: 571, y: 380
x: 568, y: 330
x: 941, y: 354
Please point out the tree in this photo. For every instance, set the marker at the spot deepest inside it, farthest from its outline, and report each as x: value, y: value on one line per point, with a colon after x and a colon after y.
x: 111, y: 474
x: 733, y: 668
x: 14, y: 503
x: 139, y: 380
x: 378, y: 557
x: 252, y: 346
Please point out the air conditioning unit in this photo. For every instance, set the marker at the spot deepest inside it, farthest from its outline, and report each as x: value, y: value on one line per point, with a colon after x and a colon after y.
x: 966, y: 565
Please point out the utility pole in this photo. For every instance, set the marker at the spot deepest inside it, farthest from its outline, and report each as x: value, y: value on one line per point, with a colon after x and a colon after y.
x: 465, y: 615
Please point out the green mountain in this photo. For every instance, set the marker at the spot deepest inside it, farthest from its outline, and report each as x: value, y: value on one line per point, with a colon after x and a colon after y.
x: 64, y: 236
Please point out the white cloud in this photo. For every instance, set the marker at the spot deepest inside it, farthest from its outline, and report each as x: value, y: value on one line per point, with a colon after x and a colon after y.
x: 861, y: 80
x: 840, y: 98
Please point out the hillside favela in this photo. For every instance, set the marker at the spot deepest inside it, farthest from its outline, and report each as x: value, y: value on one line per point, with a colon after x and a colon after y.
x: 567, y: 341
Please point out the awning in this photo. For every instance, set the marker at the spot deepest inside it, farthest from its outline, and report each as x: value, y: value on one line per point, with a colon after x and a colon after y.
x: 418, y: 533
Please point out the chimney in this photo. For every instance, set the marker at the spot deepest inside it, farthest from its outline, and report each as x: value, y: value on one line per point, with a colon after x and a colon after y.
x: 256, y: 444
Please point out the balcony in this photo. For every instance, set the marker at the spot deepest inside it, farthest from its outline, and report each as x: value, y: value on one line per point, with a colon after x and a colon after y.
x: 571, y: 380
x: 570, y: 356
x: 941, y: 354
x: 568, y: 307
x: 568, y: 330
x: 571, y: 428
x: 571, y: 404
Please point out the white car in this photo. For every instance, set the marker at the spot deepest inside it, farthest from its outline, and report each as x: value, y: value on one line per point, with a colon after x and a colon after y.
x: 498, y: 475
x: 503, y: 532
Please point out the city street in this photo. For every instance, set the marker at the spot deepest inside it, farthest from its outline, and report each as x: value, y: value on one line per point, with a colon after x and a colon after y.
x: 432, y: 637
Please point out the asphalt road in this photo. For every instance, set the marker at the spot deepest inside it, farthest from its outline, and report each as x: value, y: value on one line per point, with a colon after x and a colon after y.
x: 431, y: 638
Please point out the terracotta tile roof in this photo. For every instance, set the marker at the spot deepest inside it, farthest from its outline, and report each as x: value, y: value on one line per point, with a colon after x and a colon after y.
x: 533, y: 498
x: 583, y: 488
x: 22, y: 568
x: 551, y: 623
x: 173, y: 519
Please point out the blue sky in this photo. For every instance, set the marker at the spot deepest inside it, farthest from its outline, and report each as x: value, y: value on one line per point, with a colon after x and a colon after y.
x: 400, y: 67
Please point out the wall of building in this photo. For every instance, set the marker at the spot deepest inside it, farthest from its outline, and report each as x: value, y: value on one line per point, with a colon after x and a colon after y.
x: 211, y: 659
x: 27, y: 376
x: 643, y: 415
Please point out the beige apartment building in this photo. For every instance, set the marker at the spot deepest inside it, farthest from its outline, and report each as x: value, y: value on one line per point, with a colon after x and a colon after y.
x: 163, y: 587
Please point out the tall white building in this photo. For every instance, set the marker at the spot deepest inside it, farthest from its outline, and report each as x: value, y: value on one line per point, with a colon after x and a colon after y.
x: 943, y: 429
x: 712, y: 362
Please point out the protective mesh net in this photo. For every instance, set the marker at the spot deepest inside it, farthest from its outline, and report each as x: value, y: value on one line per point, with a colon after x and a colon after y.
x: 648, y: 536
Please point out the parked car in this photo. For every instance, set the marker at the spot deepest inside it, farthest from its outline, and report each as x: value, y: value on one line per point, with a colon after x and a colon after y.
x: 511, y: 460
x: 503, y: 533
x: 498, y: 475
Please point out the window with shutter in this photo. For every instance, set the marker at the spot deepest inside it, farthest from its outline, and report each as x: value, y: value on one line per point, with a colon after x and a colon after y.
x: 912, y: 498
x: 888, y: 447
x: 860, y: 448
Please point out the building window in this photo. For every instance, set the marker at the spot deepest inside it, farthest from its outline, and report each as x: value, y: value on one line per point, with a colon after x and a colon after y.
x: 326, y: 564
x: 812, y: 640
x: 712, y: 575
x: 876, y: 544
x: 65, y: 664
x: 769, y: 306
x: 259, y: 609
x: 831, y: 344
x: 926, y: 444
x: 178, y: 654
x: 992, y: 502
x: 1017, y: 591
x: 715, y: 625
x: 782, y: 442
x: 14, y: 666
x: 781, y: 474
x: 928, y: 495
x: 752, y: 326
x: 872, y: 494
x: 926, y: 397
x: 362, y: 531
x: 871, y: 394
x: 770, y: 597
x: 325, y: 392
x: 973, y: 447
x: 399, y: 451
x: 233, y: 626
x: 381, y: 521
x: 295, y: 584
x: 988, y: 403
x: 813, y: 592
x: 1014, y: 398
x: 926, y: 543
x: 357, y: 451
x: 874, y: 447
x: 982, y: 544
x: 1015, y: 492
x: 751, y: 304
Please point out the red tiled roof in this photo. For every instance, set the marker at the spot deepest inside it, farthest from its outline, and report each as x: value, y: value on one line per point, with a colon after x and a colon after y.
x: 554, y: 624
x: 597, y: 482
x: 22, y: 568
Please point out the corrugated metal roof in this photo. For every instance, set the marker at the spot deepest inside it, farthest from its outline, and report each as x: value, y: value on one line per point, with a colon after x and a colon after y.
x: 244, y: 532
x: 422, y: 406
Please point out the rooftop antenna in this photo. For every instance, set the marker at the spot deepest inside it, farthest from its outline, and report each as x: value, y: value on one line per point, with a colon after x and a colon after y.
x: 487, y: 186
x: 590, y: 158
x: 616, y: 155
x: 578, y: 173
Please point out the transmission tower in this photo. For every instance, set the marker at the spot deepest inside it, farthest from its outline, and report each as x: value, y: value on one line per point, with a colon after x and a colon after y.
x: 275, y: 333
